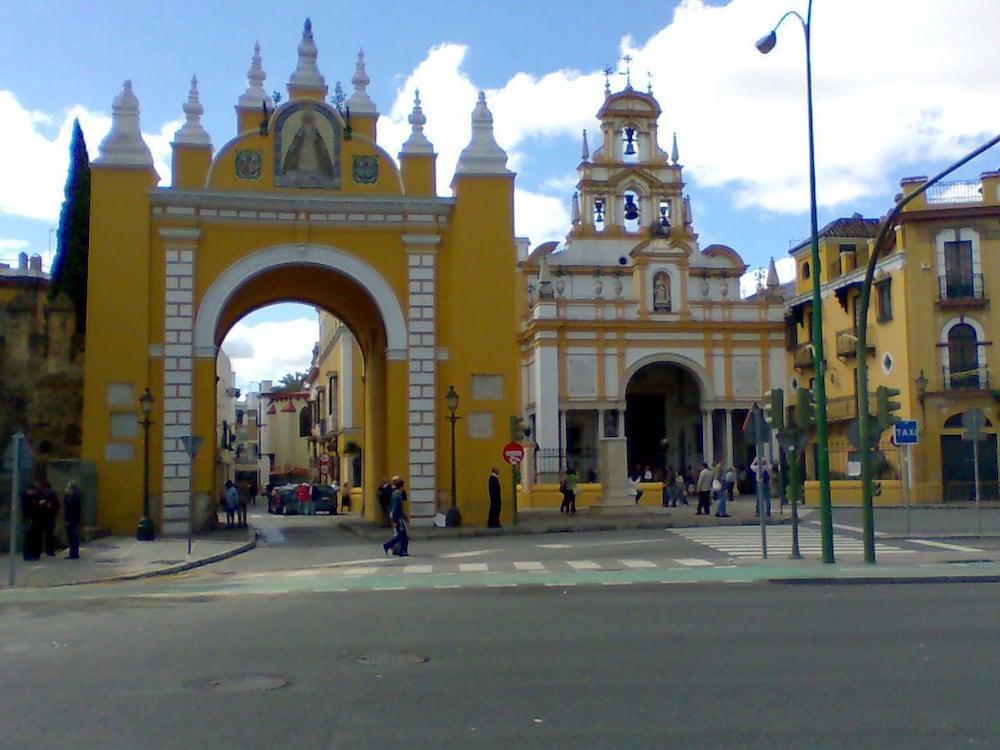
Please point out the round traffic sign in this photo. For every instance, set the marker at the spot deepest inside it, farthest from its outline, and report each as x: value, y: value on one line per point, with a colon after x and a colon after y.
x: 513, y: 453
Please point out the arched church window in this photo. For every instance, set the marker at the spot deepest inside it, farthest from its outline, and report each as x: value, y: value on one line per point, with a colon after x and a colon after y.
x: 630, y: 144
x: 631, y: 213
x: 599, y: 211
x: 661, y: 292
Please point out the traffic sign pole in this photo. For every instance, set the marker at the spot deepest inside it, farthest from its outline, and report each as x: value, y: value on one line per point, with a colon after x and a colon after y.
x: 975, y: 469
x: 15, y: 506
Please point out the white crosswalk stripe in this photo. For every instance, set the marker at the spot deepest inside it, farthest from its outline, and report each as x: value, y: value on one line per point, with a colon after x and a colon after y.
x: 583, y: 565
x: 412, y: 569
x: 638, y: 563
x: 744, y: 541
x: 694, y: 562
x: 527, y: 565
x: 359, y: 571
x: 473, y: 567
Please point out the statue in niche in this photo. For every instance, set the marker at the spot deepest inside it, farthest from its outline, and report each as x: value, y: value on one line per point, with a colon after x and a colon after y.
x: 661, y: 292
x: 309, y: 152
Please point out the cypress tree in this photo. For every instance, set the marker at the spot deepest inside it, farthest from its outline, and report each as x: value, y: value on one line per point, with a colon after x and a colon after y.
x: 69, y: 270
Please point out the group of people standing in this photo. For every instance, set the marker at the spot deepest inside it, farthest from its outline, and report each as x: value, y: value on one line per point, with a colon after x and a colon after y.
x: 40, y: 508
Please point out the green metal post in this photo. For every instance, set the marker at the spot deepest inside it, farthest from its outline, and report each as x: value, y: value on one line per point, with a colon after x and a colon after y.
x: 864, y: 414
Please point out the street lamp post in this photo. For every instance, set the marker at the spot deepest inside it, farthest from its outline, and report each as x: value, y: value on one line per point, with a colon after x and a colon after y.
x: 145, y: 532
x: 454, y: 515
x: 765, y: 45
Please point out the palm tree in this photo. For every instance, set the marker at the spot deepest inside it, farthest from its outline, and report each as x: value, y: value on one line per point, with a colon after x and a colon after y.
x: 291, y: 382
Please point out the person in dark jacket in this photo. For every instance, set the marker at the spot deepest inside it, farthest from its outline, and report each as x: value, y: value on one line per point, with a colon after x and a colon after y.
x: 397, y: 514
x: 31, y: 523
x: 73, y: 514
x: 49, y: 505
x: 496, y: 498
x: 384, y: 499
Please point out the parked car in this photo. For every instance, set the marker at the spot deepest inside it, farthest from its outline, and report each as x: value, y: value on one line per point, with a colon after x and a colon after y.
x: 287, y: 501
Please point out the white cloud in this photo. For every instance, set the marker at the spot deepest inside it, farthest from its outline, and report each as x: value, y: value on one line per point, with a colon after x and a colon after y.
x: 748, y: 281
x: 537, y: 215
x: 268, y: 350
x: 12, y: 246
x: 34, y: 165
x: 882, y: 99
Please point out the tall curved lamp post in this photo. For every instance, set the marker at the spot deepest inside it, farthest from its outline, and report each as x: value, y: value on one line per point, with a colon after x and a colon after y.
x: 764, y: 45
x: 454, y: 515
x: 145, y: 532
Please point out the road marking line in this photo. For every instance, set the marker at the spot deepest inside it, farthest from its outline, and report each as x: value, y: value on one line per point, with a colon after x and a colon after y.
x: 470, y: 553
x: 638, y: 563
x: 563, y: 585
x: 583, y: 565
x: 359, y: 571
x: 528, y: 566
x: 616, y: 583
x: 302, y: 573
x: 411, y: 569
x: 855, y: 529
x: 943, y: 545
x: 473, y: 567
x: 390, y: 588
x: 553, y: 546
x: 694, y: 562
x: 448, y: 586
x: 501, y: 585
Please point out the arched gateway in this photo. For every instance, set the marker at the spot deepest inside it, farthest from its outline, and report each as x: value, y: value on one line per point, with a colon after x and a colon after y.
x: 301, y: 205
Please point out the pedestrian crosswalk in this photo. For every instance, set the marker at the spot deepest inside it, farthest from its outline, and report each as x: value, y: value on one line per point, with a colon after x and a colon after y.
x: 744, y: 541
x: 449, y: 567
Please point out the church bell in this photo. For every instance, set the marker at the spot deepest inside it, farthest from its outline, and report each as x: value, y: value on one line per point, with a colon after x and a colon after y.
x: 630, y: 141
x: 631, y: 210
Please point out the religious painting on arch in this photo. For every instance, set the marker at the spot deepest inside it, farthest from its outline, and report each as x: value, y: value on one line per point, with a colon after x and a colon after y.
x: 307, y: 147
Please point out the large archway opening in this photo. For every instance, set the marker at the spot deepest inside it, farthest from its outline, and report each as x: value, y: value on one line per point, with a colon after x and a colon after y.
x: 663, y: 419
x: 337, y: 419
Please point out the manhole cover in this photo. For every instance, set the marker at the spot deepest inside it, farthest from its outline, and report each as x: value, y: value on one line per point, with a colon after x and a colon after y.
x: 241, y: 683
x: 379, y: 660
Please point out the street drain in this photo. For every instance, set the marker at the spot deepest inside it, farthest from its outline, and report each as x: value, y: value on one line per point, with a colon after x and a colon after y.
x: 390, y: 659
x: 241, y: 683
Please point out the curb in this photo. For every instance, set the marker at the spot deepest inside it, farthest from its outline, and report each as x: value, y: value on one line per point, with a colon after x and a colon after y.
x: 900, y: 580
x: 165, y: 571
x: 371, y: 532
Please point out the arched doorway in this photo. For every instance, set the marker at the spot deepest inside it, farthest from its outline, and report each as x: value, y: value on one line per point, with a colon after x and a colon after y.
x: 663, y: 417
x: 327, y: 279
x: 957, y: 463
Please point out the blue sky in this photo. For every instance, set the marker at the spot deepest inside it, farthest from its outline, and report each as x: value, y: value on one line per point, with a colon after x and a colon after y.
x: 902, y: 87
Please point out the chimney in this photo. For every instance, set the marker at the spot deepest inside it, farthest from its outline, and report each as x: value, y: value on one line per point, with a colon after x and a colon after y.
x: 36, y: 263
x: 22, y: 261
x: 265, y: 386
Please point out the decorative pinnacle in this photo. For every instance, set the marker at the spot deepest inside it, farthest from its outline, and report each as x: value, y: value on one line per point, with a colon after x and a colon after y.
x: 483, y: 155
x: 255, y: 95
x: 575, y: 209
x: 360, y: 102
x: 192, y: 132
x: 417, y: 143
x: 674, y: 153
x: 124, y: 144
x: 306, y: 74
x: 585, y: 154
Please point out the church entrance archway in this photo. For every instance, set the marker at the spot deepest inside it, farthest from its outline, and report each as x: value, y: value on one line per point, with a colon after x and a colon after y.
x: 663, y: 418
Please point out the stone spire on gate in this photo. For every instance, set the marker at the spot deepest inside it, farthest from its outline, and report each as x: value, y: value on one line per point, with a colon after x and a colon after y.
x: 360, y: 103
x: 483, y: 155
x: 772, y: 275
x: 191, y: 132
x: 417, y: 143
x: 585, y: 151
x: 255, y: 96
x: 307, y: 77
x: 123, y: 145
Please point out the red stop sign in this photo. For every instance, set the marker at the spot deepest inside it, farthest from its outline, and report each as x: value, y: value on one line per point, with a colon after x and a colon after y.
x: 513, y: 453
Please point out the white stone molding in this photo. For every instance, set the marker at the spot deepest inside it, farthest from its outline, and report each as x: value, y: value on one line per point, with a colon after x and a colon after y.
x: 423, y: 385
x: 191, y: 133
x: 321, y: 256
x: 669, y: 358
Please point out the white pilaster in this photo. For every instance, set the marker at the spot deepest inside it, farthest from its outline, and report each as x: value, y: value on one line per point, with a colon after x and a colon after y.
x: 708, y: 439
x: 729, y: 437
x: 546, y: 396
x: 423, y: 381
x: 178, y: 374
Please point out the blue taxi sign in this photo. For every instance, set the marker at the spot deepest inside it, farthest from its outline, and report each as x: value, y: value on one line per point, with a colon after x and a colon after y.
x: 906, y: 432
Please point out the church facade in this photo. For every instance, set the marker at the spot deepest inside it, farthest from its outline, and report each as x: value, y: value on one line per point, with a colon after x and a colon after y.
x: 637, y: 350
x: 300, y: 204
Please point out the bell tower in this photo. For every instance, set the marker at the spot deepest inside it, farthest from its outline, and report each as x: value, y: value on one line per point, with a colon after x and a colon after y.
x: 630, y: 185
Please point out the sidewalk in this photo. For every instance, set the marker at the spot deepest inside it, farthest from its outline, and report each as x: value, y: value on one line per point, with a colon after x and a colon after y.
x: 618, y: 518
x: 114, y: 558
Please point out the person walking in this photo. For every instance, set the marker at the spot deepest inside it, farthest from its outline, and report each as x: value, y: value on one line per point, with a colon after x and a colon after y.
x: 400, y: 542
x: 729, y: 482
x: 721, y: 494
x: 49, y: 509
x: 496, y: 499
x: 680, y: 489
x: 668, y: 486
x: 384, y: 500
x: 704, y: 490
x: 765, y: 484
x: 73, y: 514
x: 571, y: 482
x: 30, y: 523
x: 231, y: 497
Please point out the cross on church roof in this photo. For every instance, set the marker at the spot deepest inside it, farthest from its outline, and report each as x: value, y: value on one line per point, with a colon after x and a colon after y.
x: 627, y: 59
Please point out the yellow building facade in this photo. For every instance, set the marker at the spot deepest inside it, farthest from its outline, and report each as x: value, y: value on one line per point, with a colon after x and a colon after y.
x: 930, y: 330
x: 300, y: 204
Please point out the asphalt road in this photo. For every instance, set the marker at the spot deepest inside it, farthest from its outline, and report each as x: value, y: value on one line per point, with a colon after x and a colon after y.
x: 691, y: 666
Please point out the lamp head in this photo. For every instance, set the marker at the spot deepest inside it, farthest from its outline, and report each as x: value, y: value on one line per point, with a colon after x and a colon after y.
x: 452, y: 398
x: 766, y: 43
x: 146, y: 402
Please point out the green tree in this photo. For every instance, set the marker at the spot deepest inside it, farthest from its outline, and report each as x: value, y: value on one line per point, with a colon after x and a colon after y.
x: 69, y: 271
x: 291, y: 382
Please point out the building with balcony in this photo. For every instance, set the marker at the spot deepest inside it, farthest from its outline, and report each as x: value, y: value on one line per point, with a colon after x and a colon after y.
x: 930, y: 331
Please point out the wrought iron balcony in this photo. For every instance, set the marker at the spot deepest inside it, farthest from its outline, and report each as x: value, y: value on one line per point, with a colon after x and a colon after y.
x: 847, y: 343
x: 967, y: 380
x: 804, y: 357
x: 961, y: 290
x: 958, y: 191
x: 845, y: 408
